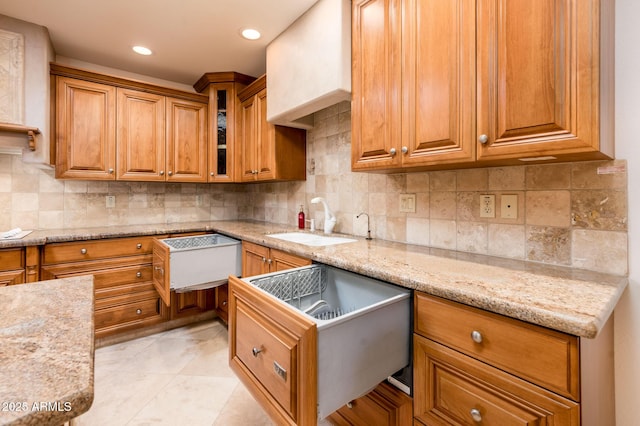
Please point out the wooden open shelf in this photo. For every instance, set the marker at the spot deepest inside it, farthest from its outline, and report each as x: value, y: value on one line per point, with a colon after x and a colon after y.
x: 31, y: 132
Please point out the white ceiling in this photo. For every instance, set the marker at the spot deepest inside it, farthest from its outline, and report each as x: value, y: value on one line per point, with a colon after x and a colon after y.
x: 188, y: 37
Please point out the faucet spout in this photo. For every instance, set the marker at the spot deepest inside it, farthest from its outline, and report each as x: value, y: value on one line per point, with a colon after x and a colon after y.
x: 329, y: 217
x: 368, y: 227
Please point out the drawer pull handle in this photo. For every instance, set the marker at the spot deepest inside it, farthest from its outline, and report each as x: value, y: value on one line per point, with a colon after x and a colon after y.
x: 256, y: 351
x: 280, y: 371
x: 159, y: 269
x: 476, y: 336
x: 475, y: 415
x: 83, y: 251
x: 139, y: 274
x: 138, y: 311
x: 139, y: 246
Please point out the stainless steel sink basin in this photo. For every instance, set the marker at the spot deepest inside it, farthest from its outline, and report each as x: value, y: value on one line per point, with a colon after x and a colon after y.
x: 308, y: 239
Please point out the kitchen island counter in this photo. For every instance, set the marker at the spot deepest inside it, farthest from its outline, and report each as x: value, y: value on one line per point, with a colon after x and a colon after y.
x: 46, y: 351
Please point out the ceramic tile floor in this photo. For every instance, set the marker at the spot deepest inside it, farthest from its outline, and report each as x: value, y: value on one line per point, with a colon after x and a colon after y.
x: 178, y: 377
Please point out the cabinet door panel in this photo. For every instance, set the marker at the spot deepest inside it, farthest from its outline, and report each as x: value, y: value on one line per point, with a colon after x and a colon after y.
x: 438, y: 94
x: 281, y: 260
x: 186, y: 141
x: 141, y: 136
x: 12, y: 277
x: 254, y: 259
x: 537, y: 78
x: 266, y: 143
x: 248, y: 138
x: 85, y: 130
x: 376, y: 76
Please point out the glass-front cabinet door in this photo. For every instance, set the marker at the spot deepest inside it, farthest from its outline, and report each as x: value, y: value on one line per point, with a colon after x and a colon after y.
x: 222, y: 88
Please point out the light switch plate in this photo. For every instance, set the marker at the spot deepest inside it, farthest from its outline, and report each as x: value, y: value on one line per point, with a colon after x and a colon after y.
x: 509, y: 206
x: 407, y: 203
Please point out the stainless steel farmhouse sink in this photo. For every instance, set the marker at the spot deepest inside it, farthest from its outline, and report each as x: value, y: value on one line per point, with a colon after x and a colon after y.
x: 361, y: 326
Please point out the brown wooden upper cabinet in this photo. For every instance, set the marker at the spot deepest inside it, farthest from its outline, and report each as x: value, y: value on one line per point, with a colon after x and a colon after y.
x: 480, y: 82
x: 266, y: 152
x: 223, y: 89
x: 109, y: 128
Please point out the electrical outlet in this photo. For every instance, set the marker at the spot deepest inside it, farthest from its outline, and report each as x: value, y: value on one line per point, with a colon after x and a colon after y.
x: 198, y: 200
x: 509, y: 206
x: 487, y: 205
x: 407, y: 203
x: 111, y: 201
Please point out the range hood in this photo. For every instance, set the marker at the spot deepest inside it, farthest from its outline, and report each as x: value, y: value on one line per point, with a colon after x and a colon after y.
x: 309, y: 65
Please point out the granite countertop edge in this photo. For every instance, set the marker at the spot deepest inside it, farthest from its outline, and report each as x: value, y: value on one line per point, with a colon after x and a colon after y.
x: 49, y: 363
x: 570, y: 300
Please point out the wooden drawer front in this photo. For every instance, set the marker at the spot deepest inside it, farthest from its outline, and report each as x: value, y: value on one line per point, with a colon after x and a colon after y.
x: 453, y: 389
x: 274, y: 366
x: 134, y: 274
x: 536, y: 354
x: 96, y: 249
x: 11, y: 259
x: 384, y: 406
x: 11, y: 277
x: 110, y: 312
x: 222, y: 302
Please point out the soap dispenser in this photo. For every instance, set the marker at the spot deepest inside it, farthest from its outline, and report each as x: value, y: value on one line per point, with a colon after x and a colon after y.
x: 301, y: 218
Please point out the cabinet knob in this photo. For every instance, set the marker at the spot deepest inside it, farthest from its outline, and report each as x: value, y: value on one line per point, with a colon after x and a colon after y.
x: 483, y: 139
x: 392, y: 152
x: 161, y: 172
x: 264, y: 259
x: 170, y: 173
x: 405, y: 150
x: 139, y: 246
x: 269, y: 261
x: 83, y: 251
x: 159, y: 269
x: 211, y: 174
x: 110, y: 171
x: 475, y: 415
x: 476, y: 336
x: 138, y: 274
x: 256, y: 351
x: 224, y: 303
x: 350, y: 404
x: 138, y: 311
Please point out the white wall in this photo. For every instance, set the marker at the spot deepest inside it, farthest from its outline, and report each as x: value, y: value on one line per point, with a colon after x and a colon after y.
x: 627, y: 315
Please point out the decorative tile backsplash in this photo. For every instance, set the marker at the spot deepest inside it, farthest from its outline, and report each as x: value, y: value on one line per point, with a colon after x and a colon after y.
x: 572, y: 214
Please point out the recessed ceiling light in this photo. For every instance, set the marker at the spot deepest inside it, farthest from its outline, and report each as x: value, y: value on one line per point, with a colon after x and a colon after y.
x: 251, y: 34
x: 142, y: 50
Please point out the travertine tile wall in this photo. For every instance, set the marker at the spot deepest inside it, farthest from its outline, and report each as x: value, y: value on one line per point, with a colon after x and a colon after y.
x: 31, y: 198
x: 572, y: 214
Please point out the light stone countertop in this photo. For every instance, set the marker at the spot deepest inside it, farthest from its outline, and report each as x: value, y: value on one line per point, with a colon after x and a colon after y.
x: 574, y: 301
x: 46, y: 351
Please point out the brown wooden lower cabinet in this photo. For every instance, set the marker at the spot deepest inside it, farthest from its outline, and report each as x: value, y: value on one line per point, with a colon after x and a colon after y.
x: 455, y: 389
x: 19, y: 265
x: 383, y: 406
x: 191, y: 302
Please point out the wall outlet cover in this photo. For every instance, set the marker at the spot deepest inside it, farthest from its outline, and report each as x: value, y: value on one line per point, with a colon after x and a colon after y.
x: 111, y: 201
x: 487, y: 205
x: 509, y: 206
